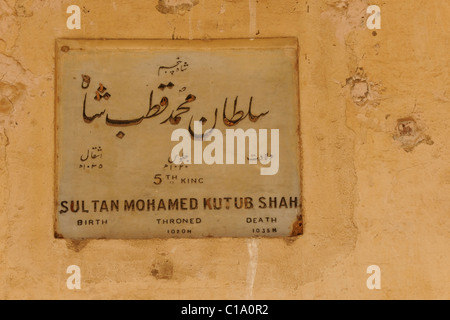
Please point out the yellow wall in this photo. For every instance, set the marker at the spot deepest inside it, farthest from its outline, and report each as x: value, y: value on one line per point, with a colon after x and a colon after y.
x: 372, y: 195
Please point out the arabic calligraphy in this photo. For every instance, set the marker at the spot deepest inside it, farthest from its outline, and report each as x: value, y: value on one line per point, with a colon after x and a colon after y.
x: 233, y: 120
x: 101, y: 93
x: 163, y: 86
x: 175, y: 117
x: 86, y: 81
x: 179, y: 66
x: 90, y: 159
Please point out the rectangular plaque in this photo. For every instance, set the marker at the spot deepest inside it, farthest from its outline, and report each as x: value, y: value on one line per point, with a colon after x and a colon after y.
x: 162, y: 139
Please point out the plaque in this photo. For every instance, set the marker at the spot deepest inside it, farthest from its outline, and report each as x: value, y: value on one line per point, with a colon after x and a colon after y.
x: 177, y: 139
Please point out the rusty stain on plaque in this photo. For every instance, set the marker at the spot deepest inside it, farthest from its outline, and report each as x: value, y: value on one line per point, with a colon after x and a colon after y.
x: 163, y: 139
x: 297, y: 227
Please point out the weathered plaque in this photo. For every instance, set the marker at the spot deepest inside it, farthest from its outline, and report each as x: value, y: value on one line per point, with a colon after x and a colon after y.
x: 159, y: 139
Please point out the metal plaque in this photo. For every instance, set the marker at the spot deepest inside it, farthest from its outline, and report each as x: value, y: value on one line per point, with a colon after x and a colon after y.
x: 163, y: 139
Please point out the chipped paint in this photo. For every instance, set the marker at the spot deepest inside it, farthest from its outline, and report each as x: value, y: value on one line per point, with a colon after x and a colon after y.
x: 162, y: 268
x: 363, y: 92
x: 76, y: 245
x: 23, y: 8
x: 410, y: 135
x: 176, y: 6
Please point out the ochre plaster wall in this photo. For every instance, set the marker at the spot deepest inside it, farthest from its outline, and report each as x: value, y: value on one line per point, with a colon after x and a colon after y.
x: 372, y: 194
